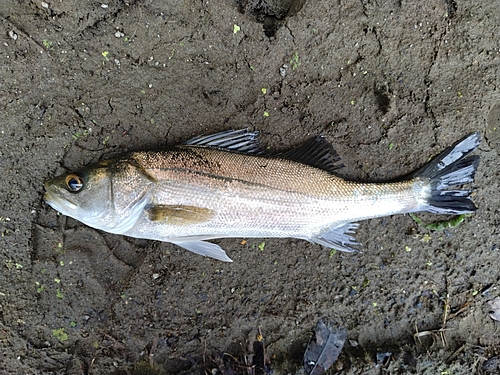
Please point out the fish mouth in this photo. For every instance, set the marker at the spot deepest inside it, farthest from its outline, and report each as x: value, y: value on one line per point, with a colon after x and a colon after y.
x: 57, y: 202
x: 51, y: 201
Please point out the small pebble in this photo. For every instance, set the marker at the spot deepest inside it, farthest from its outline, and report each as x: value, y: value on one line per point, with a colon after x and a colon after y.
x: 283, y: 70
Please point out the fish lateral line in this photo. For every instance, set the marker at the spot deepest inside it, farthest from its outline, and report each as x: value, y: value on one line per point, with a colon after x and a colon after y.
x: 240, y: 180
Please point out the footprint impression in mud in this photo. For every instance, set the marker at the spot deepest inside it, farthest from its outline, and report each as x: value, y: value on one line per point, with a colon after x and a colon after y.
x: 271, y: 13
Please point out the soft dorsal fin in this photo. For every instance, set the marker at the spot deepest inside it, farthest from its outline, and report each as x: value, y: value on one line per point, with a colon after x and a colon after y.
x: 318, y: 152
x: 234, y: 140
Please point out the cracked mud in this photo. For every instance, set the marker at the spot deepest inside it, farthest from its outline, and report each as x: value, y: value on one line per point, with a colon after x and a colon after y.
x: 390, y: 84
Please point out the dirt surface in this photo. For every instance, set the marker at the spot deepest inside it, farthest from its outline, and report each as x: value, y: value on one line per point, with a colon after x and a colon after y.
x: 389, y: 83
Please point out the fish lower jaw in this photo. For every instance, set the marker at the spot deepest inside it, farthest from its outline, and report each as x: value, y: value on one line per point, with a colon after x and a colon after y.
x: 65, y: 208
x: 62, y: 206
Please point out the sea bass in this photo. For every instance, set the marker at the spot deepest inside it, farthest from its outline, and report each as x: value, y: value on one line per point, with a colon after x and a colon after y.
x: 224, y: 185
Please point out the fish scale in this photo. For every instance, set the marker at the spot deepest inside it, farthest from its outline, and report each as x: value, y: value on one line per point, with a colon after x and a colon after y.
x: 224, y: 185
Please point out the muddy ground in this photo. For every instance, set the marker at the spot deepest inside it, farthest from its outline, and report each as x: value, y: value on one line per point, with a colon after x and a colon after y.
x: 389, y: 83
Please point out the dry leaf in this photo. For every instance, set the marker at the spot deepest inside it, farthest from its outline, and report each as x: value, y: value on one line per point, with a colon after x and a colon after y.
x: 494, y: 305
x: 324, y: 349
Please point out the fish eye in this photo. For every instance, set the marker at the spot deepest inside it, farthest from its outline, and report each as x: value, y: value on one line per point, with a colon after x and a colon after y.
x: 74, y: 182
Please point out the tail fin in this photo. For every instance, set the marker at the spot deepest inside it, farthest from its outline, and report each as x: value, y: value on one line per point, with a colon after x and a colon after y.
x: 448, y: 169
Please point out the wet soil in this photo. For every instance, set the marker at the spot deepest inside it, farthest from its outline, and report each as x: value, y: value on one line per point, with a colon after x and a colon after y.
x: 389, y: 83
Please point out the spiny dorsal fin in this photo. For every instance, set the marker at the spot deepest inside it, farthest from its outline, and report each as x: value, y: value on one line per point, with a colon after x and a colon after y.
x: 234, y: 140
x: 318, y: 152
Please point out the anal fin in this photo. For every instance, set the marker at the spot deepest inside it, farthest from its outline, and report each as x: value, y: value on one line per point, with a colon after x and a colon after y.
x: 338, y: 238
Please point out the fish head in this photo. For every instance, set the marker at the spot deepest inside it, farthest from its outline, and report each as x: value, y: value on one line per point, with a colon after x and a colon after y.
x: 109, y: 195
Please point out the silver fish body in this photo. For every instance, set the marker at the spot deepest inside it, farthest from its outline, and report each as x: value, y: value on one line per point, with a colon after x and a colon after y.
x: 222, y: 186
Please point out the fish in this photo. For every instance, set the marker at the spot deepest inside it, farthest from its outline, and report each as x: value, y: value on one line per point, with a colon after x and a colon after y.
x: 224, y: 185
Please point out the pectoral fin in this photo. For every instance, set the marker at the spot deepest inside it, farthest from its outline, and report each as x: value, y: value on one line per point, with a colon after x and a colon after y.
x: 178, y: 214
x: 204, y: 248
x: 338, y: 238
